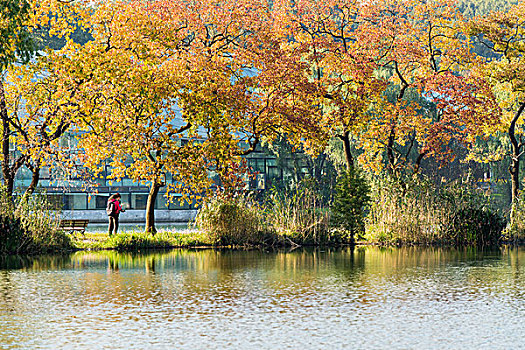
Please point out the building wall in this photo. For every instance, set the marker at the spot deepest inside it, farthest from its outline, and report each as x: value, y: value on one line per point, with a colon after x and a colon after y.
x: 82, y: 198
x: 133, y: 216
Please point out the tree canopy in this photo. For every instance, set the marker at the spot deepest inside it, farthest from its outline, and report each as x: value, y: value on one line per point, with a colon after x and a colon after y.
x: 190, y: 87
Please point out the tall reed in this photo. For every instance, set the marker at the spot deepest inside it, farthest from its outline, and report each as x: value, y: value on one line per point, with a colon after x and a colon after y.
x: 286, y: 217
x: 298, y: 215
x: 232, y: 220
x: 421, y: 212
x: 29, y: 225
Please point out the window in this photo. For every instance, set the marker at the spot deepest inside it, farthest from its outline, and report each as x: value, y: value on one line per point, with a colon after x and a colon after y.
x: 77, y: 201
x: 257, y: 164
x: 125, y: 200
x: 261, y: 183
x: 140, y: 201
x: 68, y: 202
x: 176, y: 204
x: 101, y: 202
x: 274, y: 172
x: 44, y: 173
x: 55, y: 200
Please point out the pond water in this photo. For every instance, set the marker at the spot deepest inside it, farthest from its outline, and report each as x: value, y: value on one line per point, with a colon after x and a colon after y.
x: 361, y: 298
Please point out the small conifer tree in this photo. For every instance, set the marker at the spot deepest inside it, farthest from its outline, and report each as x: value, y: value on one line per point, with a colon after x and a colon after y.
x: 351, y: 201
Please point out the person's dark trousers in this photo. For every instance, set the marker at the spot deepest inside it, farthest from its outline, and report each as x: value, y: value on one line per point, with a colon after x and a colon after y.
x: 113, y: 224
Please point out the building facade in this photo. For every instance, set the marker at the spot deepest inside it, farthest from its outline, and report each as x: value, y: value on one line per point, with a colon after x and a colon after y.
x: 82, y: 197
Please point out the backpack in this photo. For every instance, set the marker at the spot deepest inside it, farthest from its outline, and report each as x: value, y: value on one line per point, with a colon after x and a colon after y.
x: 110, y: 209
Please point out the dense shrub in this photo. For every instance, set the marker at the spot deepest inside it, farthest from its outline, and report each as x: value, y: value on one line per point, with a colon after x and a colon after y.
x: 232, y: 221
x: 30, y: 226
x: 351, y: 201
x: 410, y: 212
x: 469, y: 218
x: 12, y: 237
x: 515, y: 230
x: 474, y: 226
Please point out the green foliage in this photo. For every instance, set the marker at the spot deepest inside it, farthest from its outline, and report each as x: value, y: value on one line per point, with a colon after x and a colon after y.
x: 419, y: 212
x: 30, y: 229
x: 351, y: 201
x: 232, y: 221
x: 11, y: 235
x: 475, y: 226
x: 470, y: 218
x: 138, y: 240
x: 515, y: 231
x: 15, y: 38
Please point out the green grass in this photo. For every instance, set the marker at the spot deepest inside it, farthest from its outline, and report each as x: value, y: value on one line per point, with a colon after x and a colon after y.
x: 134, y: 240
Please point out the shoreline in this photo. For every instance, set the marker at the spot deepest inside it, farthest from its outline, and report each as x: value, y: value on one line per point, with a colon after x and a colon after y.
x: 201, y: 244
x: 136, y: 241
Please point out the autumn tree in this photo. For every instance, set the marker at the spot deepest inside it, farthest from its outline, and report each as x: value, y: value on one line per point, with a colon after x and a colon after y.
x: 15, y: 43
x: 41, y: 98
x: 504, y: 34
x: 19, y: 20
x: 326, y: 36
x: 129, y: 106
x: 390, y: 78
x: 182, y: 88
x: 431, y: 101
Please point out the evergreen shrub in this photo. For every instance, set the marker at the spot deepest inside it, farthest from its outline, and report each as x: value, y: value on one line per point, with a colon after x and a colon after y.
x: 351, y: 201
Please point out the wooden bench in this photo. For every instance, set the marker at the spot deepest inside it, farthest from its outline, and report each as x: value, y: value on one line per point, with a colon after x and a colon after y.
x: 71, y: 226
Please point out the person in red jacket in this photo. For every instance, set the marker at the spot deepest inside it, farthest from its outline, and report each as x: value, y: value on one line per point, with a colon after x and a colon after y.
x: 113, y: 209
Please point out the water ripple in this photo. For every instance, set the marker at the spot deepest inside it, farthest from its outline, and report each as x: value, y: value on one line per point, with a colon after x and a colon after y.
x: 367, y: 298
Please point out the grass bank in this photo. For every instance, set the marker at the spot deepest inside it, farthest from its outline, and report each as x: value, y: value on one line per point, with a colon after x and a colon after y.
x: 136, y: 240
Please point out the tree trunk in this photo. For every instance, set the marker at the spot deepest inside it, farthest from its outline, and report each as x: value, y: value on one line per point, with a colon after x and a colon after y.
x: 516, y: 150
x: 348, y: 151
x: 150, y: 208
x: 514, y: 167
x: 390, y: 151
x: 515, y: 177
x: 417, y: 164
x: 514, y: 170
x: 6, y: 170
x: 35, y: 178
x: 391, y: 157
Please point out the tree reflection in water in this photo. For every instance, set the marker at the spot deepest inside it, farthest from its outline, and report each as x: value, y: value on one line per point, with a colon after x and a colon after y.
x: 200, y: 293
